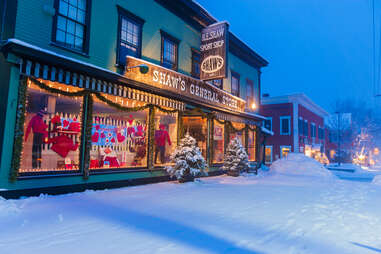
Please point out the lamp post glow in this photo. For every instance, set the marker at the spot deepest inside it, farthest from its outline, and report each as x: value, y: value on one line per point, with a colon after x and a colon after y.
x: 253, y: 106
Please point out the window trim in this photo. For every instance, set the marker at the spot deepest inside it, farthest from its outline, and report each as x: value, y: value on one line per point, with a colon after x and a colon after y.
x: 165, y: 35
x: 281, y: 125
x: 313, y: 130
x: 237, y: 76
x: 193, y: 52
x: 271, y: 122
x: 123, y: 13
x: 86, y: 39
x: 271, y: 157
x: 280, y: 150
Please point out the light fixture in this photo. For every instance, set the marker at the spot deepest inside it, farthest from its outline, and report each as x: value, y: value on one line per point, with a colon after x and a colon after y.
x: 143, y: 68
x: 253, y: 106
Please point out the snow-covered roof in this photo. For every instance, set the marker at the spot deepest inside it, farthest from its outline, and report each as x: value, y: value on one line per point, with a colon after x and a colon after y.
x: 267, y: 131
x: 300, y: 98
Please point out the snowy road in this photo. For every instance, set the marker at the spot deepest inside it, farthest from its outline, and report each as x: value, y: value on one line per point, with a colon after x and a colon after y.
x: 271, y: 214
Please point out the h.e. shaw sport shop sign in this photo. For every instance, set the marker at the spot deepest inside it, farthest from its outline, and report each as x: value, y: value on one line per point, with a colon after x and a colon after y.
x: 184, y: 85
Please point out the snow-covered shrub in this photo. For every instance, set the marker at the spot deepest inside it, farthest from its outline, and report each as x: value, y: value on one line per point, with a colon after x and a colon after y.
x: 301, y: 165
x: 235, y: 159
x: 188, y: 160
x: 377, y: 180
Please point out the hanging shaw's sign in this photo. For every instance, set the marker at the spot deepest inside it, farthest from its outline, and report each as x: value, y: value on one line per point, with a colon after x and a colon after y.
x: 214, y: 48
x: 184, y: 85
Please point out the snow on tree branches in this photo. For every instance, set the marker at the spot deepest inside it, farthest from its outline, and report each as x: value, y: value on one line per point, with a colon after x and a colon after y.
x: 236, y: 159
x: 188, y: 160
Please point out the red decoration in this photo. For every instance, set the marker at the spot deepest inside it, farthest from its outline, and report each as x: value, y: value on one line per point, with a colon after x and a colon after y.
x: 120, y: 137
x: 65, y: 123
x: 95, y: 137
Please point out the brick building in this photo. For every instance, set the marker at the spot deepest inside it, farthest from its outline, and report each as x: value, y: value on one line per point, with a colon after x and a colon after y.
x: 297, y: 123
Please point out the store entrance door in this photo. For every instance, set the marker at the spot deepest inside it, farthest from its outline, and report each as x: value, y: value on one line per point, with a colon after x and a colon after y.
x: 197, y: 127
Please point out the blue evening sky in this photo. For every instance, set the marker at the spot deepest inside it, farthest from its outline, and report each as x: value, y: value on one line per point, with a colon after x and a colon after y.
x: 322, y: 48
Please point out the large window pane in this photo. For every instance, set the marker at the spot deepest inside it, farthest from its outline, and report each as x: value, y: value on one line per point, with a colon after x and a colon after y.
x: 239, y: 134
x: 119, y: 139
x: 165, y: 137
x: 52, y: 131
x: 218, y: 142
x: 251, y: 145
x: 197, y: 128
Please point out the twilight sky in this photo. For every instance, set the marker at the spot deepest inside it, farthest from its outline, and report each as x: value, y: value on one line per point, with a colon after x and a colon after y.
x: 323, y: 48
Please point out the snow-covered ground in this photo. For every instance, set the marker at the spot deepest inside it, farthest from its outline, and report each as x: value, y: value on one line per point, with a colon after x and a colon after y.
x: 279, y: 211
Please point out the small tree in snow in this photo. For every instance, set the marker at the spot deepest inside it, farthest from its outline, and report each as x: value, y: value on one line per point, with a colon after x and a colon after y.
x: 236, y: 159
x: 188, y: 160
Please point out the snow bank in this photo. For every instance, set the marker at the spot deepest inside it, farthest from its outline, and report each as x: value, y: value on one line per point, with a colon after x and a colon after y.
x: 377, y: 180
x: 301, y: 165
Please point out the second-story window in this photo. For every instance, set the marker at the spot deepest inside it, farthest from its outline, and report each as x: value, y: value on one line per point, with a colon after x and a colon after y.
x: 216, y: 82
x: 250, y: 93
x: 300, y: 126
x: 169, y: 51
x: 235, y: 83
x: 195, y: 63
x: 305, y: 128
x: 268, y: 123
x: 71, y: 24
x: 313, y: 130
x: 285, y: 125
x: 130, y: 35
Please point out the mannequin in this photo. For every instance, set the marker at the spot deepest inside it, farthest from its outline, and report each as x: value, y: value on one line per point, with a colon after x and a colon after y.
x: 38, y: 126
x: 161, y: 138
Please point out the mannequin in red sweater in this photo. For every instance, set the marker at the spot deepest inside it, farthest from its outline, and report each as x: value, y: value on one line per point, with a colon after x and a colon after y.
x: 161, y: 138
x: 38, y: 126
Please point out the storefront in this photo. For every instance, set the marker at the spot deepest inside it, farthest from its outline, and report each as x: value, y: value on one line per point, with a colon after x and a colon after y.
x: 71, y: 123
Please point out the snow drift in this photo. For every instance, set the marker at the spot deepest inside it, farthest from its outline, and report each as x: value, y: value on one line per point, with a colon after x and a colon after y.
x: 300, y: 165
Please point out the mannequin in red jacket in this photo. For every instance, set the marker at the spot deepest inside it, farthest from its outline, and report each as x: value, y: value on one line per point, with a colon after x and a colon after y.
x: 161, y: 138
x: 38, y: 126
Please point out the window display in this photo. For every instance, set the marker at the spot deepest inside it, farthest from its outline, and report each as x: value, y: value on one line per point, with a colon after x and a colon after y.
x: 251, y: 145
x: 218, y: 142
x: 239, y: 134
x: 52, y: 131
x: 119, y: 138
x: 165, y: 137
x: 197, y: 128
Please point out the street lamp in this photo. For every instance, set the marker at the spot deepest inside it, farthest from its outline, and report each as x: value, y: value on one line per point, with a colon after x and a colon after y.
x: 143, y: 68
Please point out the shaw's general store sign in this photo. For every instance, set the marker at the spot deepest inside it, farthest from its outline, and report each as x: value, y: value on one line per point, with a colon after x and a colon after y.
x: 213, y: 48
x: 195, y: 89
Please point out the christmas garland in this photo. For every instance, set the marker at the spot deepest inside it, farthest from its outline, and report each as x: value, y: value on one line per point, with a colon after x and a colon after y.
x: 87, y: 118
x: 19, y: 130
x: 58, y: 91
x: 151, y: 135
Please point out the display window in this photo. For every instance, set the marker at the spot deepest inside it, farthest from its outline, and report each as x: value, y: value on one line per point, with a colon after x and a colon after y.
x: 251, y: 145
x: 52, y: 130
x: 239, y: 134
x: 198, y: 129
x: 218, y: 142
x: 118, y: 138
x: 268, y: 154
x: 165, y: 137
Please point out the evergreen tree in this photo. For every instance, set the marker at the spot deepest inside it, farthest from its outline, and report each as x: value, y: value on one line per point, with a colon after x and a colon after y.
x: 188, y: 160
x: 236, y: 159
